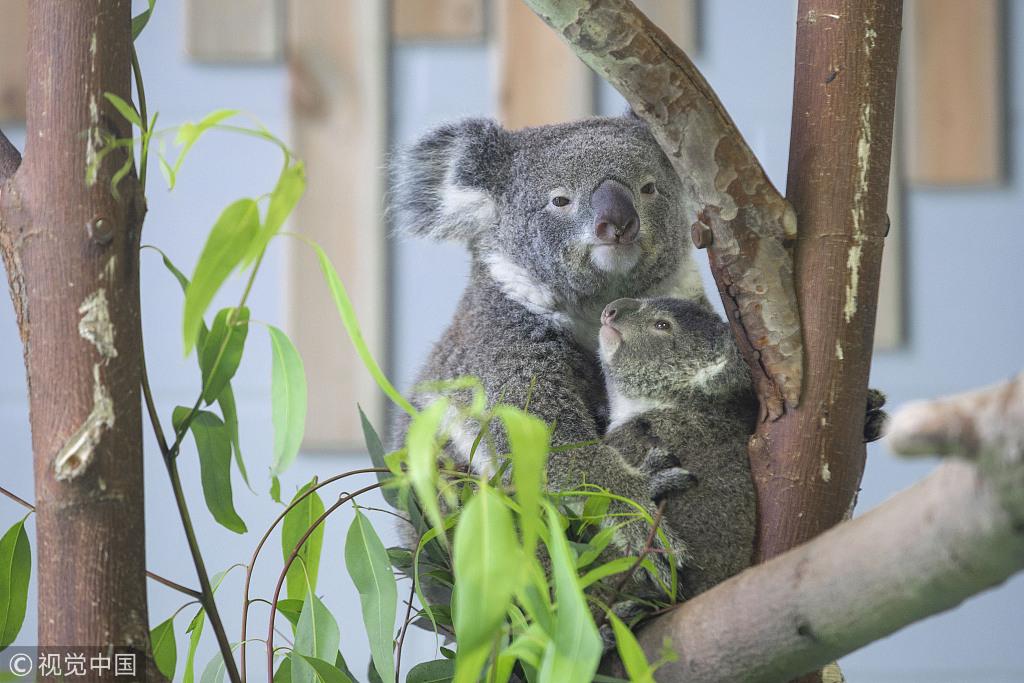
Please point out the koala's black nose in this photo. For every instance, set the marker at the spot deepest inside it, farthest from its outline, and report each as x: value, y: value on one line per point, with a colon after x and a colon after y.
x: 615, y: 217
x: 618, y: 308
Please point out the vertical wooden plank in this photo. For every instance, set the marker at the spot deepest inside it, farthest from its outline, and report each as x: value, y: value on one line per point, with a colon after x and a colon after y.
x: 677, y: 18
x: 461, y: 20
x: 337, y: 56
x: 13, y: 30
x: 889, y: 318
x: 233, y: 30
x: 955, y: 90
x: 540, y: 80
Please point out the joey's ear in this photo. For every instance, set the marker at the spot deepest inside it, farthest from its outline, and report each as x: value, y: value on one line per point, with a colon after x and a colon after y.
x: 447, y: 184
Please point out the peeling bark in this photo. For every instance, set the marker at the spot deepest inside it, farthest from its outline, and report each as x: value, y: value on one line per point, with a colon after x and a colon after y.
x: 742, y: 219
x: 77, y: 303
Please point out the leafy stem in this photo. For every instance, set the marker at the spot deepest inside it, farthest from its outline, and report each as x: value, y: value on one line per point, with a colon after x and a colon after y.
x: 291, y: 559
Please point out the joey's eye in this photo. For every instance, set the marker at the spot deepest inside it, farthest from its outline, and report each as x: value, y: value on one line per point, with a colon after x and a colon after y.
x: 560, y: 201
x: 662, y: 325
x: 649, y: 188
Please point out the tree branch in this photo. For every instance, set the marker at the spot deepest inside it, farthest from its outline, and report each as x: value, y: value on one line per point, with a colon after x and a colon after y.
x: 739, y: 214
x: 10, y: 158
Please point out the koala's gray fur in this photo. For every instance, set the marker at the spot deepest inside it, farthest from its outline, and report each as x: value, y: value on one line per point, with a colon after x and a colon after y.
x: 677, y: 382
x: 539, y: 277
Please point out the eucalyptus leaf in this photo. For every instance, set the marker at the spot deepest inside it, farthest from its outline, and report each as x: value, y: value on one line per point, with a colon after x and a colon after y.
x: 437, y: 671
x: 214, y: 445
x: 126, y: 109
x: 195, y: 631
x: 316, y: 635
x: 630, y: 652
x: 610, y: 568
x: 165, y: 650
x: 227, y: 242
x: 575, y: 649
x: 325, y: 672
x: 376, y: 450
x: 15, y: 570
x: 296, y: 522
x: 488, y: 572
x: 289, y: 189
x: 291, y: 609
x: 214, y: 670
x: 529, y: 439
x: 221, y: 351
x: 288, y: 400
x: 351, y: 323
x: 140, y: 20
x: 229, y: 411
x: 421, y: 443
x: 367, y: 562
x: 189, y: 133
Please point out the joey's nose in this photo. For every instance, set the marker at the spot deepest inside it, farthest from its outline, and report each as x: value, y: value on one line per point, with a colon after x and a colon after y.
x: 618, y: 309
x: 615, y: 217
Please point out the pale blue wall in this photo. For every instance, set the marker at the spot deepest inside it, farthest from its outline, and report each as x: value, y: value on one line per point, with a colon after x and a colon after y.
x: 964, y: 312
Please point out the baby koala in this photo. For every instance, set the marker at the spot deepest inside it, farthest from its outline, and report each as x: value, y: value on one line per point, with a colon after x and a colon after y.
x: 676, y: 382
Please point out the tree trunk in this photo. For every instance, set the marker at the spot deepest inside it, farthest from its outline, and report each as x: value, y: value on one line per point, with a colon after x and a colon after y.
x: 808, y: 464
x: 70, y: 245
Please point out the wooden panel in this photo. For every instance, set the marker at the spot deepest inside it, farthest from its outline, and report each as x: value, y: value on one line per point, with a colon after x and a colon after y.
x: 234, y: 30
x: 13, y: 29
x: 540, y: 80
x: 337, y: 57
x: 413, y: 20
x: 955, y: 89
x: 677, y: 18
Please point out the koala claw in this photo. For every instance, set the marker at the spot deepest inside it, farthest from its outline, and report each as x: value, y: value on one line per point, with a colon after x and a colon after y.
x: 875, y: 418
x: 669, y: 481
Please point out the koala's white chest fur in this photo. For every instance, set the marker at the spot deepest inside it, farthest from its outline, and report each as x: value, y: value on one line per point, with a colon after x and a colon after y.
x: 583, y: 321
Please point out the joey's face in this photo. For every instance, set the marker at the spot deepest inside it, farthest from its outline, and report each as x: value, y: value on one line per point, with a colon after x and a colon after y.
x: 595, y: 209
x: 657, y: 349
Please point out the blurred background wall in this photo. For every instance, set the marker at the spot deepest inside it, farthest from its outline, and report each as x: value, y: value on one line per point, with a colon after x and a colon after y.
x: 954, y: 299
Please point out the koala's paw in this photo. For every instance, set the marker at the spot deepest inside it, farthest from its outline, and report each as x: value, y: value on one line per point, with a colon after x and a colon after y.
x: 664, y: 475
x: 875, y: 418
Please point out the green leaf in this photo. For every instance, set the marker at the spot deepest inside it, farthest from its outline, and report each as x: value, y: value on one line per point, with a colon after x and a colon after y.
x: 275, y: 489
x: 325, y: 672
x: 227, y: 242
x: 610, y: 568
x: 575, y: 648
x: 284, y: 672
x: 126, y: 109
x: 437, y: 671
x: 189, y: 133
x: 529, y: 439
x: 421, y: 443
x: 226, y: 401
x: 221, y: 352
x: 195, y: 629
x: 316, y: 635
x: 596, y: 545
x: 165, y: 651
x: 139, y: 21
x: 367, y: 562
x: 214, y: 445
x: 296, y: 522
x: 630, y: 652
x: 351, y: 323
x: 291, y: 609
x: 376, y: 450
x: 214, y: 670
x: 469, y: 662
x: 288, y: 400
x: 283, y: 199
x: 488, y: 572
x: 15, y: 569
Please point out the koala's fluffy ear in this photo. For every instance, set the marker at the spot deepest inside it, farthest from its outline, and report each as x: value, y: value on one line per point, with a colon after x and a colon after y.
x: 448, y: 184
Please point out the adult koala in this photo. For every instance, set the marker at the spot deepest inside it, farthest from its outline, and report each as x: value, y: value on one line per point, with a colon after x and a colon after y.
x: 559, y: 220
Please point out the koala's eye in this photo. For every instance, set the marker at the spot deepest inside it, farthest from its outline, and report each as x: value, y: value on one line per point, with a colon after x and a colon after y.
x: 560, y: 201
x: 662, y: 325
x: 649, y: 188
